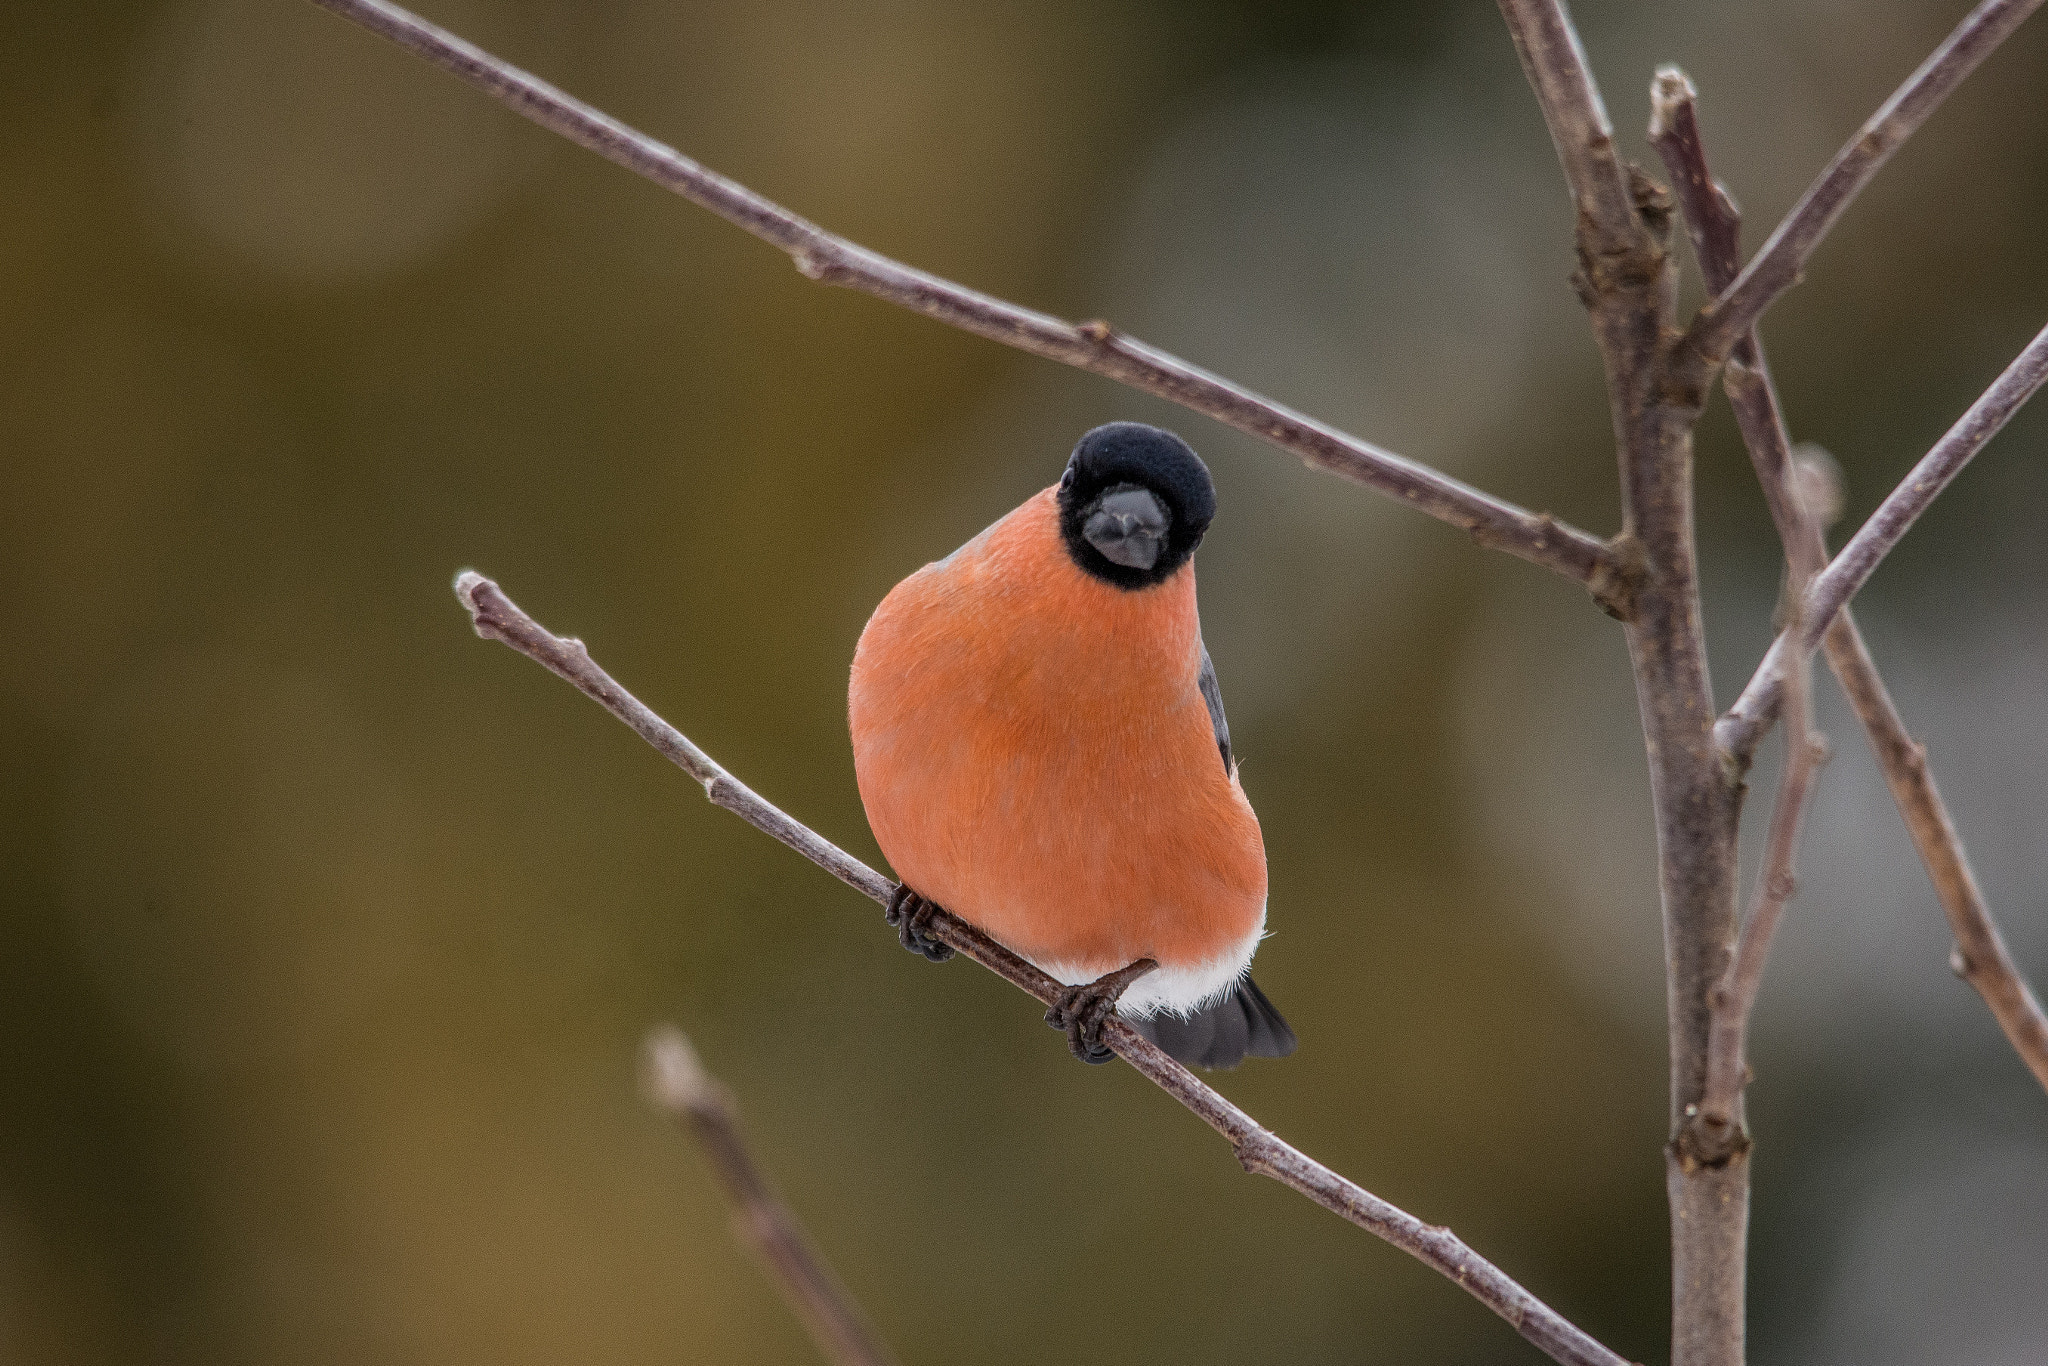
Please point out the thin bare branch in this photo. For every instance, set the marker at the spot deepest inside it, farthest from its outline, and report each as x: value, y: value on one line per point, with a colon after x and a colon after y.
x: 1849, y: 570
x: 1745, y: 723
x: 1092, y: 346
x: 1555, y: 63
x: 1981, y: 956
x: 1714, y: 225
x: 1629, y: 287
x: 496, y: 617
x: 676, y: 1081
x: 1719, y: 1127
x: 1777, y: 267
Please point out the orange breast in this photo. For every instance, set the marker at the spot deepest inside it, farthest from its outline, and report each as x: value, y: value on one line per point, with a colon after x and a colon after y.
x: 1034, y: 754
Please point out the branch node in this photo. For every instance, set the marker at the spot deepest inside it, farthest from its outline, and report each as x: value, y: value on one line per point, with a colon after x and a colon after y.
x: 1619, y: 576
x: 822, y: 266
x: 1096, y: 330
x: 1582, y: 289
x: 1959, y: 962
x: 1709, y: 1142
x: 1653, y: 204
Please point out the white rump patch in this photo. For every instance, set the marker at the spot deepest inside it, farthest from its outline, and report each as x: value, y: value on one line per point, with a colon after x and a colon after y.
x: 1182, y: 991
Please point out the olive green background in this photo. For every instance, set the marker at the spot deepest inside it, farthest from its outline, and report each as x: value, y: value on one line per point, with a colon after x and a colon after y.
x: 329, y: 931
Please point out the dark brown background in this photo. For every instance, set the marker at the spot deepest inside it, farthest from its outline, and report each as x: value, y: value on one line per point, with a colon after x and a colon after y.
x: 329, y: 931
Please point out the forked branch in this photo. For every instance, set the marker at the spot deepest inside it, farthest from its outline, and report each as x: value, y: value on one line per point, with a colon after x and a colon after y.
x: 1981, y: 957
x: 675, y: 1080
x: 496, y: 617
x: 1739, y: 731
x: 1776, y: 268
x: 1092, y: 346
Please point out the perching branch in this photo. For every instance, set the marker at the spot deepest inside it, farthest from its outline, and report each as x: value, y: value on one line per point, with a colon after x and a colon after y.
x: 496, y: 617
x: 675, y: 1080
x: 1739, y: 731
x: 1092, y: 346
x: 1776, y: 268
x: 1981, y: 957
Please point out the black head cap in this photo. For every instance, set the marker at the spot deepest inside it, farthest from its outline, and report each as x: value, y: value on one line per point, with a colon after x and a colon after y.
x: 1112, y: 528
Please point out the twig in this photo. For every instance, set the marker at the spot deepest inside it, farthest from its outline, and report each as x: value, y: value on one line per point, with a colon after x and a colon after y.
x: 1776, y: 268
x: 1739, y: 731
x: 1896, y: 515
x: 1092, y: 346
x: 1981, y: 956
x: 675, y: 1080
x: 1714, y: 225
x: 1718, y: 1131
x: 496, y: 617
x: 1715, y: 1130
x: 1555, y: 63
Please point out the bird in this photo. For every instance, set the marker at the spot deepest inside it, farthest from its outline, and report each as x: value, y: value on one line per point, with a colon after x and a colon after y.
x: 1041, y: 750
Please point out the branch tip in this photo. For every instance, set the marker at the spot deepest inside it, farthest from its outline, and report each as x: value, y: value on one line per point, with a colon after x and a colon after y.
x: 1670, y: 90
x: 467, y: 581
x: 672, y: 1075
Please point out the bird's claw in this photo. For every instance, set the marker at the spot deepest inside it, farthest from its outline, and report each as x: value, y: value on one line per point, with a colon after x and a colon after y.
x: 1082, y: 1010
x: 911, y: 914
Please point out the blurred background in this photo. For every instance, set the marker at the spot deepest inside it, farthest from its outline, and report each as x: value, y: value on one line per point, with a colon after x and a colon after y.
x: 330, y: 931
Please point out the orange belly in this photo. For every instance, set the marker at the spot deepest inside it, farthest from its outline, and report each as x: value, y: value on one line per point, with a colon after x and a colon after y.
x: 1035, y: 755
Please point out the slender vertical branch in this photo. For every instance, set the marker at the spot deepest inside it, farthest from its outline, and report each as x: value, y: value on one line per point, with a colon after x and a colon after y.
x: 677, y: 1082
x: 1092, y: 346
x: 1981, y: 957
x: 497, y: 617
x: 1776, y: 268
x: 1714, y: 225
x: 1628, y: 285
x: 1717, y: 1130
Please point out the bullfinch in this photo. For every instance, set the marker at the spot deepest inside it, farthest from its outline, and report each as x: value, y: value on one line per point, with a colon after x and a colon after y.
x: 1040, y: 745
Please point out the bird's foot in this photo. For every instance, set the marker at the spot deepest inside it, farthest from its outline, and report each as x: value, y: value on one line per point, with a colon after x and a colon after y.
x: 1082, y: 1010
x: 911, y: 914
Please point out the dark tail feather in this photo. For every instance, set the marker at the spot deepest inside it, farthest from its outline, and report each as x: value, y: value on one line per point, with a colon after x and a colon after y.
x: 1242, y: 1024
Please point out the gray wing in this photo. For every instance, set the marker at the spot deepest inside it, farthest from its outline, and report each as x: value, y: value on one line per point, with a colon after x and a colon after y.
x: 1212, y: 694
